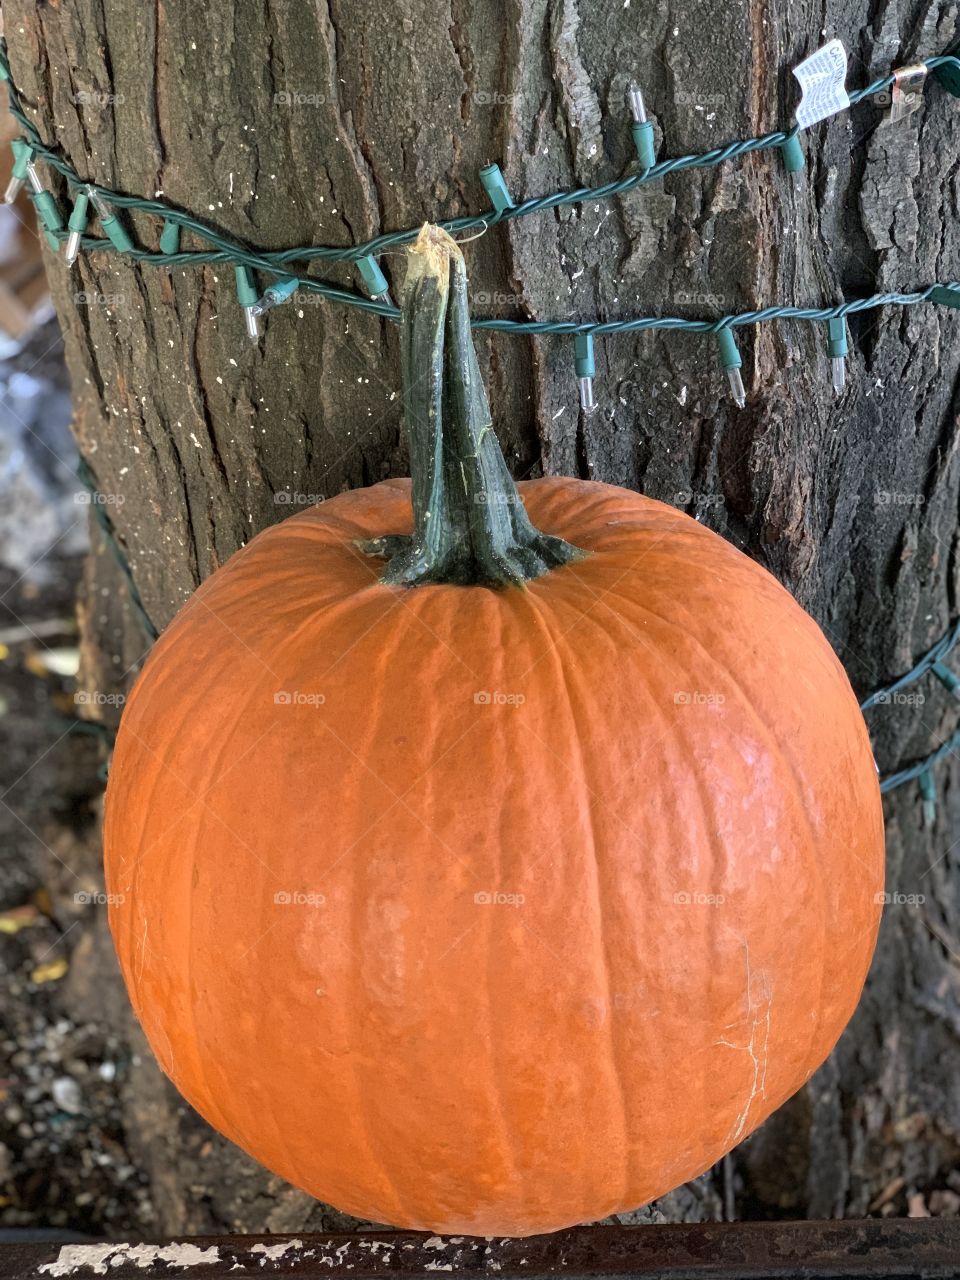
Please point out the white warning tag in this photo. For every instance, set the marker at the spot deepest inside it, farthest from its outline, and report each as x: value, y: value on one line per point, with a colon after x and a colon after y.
x: 822, y: 78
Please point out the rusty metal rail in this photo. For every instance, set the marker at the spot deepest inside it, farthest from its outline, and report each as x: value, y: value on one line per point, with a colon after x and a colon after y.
x: 888, y: 1249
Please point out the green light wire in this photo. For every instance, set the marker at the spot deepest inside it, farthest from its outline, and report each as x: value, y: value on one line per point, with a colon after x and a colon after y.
x: 278, y: 264
x: 930, y: 660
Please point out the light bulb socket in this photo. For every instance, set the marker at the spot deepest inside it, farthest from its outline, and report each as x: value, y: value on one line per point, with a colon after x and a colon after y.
x: 374, y: 281
x: 47, y: 210
x: 791, y: 150
x: 947, y: 295
x: 928, y: 793
x: 170, y: 237
x: 645, y: 142
x: 838, y: 344
x: 949, y: 680
x: 278, y: 293
x: 22, y: 158
x: 585, y: 366
x: 730, y: 360
x: 495, y: 185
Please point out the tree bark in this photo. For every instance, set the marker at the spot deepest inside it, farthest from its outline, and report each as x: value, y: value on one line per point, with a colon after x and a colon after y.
x: 852, y: 504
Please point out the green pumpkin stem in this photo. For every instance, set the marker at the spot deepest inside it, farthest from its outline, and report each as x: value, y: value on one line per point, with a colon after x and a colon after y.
x: 470, y: 525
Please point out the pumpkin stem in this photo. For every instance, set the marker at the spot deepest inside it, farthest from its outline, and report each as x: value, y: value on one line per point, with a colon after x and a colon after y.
x: 470, y: 525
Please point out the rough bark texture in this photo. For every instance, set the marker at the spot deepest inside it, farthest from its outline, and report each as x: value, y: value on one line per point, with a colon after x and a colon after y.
x: 853, y: 504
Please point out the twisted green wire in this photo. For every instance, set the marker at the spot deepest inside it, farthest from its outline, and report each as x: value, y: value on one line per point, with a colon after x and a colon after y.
x: 936, y: 653
x: 277, y: 264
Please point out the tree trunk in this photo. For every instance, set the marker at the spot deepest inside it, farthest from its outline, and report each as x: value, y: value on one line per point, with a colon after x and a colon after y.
x: 392, y: 110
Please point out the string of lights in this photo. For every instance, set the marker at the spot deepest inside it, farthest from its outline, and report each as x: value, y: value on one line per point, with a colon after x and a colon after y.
x: 285, y: 283
x: 931, y: 663
x: 247, y: 263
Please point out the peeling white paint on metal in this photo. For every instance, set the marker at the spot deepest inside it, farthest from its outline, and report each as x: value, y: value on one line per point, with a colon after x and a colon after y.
x: 73, y: 1258
x: 276, y: 1251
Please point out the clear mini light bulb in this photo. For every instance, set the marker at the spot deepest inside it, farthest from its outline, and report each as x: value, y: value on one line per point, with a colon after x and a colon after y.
x: 585, y: 367
x: 837, y: 348
x: 637, y: 109
x: 730, y: 359
x: 76, y: 226
x: 642, y: 129
x: 247, y: 297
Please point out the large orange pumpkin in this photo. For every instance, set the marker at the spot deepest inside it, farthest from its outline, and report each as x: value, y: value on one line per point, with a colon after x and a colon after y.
x: 490, y: 909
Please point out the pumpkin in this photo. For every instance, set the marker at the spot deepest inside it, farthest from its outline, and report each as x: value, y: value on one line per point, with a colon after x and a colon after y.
x: 489, y: 858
